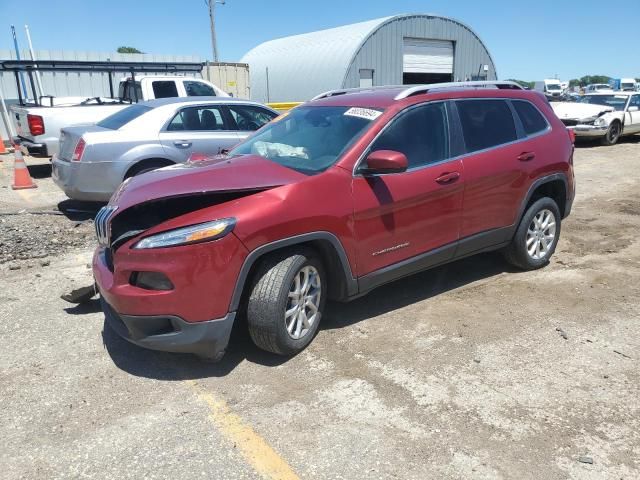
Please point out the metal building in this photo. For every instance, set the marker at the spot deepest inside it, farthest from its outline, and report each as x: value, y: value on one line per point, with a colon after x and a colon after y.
x: 403, y: 49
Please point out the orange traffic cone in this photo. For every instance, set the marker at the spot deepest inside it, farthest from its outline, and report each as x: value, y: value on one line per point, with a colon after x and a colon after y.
x: 2, y: 147
x: 21, y: 177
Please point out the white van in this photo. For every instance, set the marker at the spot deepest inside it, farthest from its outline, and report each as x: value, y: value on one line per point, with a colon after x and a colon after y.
x: 551, y: 87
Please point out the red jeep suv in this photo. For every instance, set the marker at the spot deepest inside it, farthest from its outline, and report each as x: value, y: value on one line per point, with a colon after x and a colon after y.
x: 347, y: 192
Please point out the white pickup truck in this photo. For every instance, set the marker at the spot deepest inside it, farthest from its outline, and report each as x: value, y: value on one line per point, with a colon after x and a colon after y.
x: 38, y: 127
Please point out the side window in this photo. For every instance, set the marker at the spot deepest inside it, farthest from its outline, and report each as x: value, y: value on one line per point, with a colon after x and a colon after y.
x: 250, y: 118
x: 532, y: 120
x: 198, y: 89
x: 207, y: 118
x: 164, y: 89
x: 635, y: 101
x: 420, y: 133
x: 486, y: 123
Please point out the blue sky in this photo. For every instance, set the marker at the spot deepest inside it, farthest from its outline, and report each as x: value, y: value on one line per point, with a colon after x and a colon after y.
x: 528, y: 40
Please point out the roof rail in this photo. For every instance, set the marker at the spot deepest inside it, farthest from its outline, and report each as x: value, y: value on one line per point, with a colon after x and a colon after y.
x: 344, y: 91
x: 421, y: 89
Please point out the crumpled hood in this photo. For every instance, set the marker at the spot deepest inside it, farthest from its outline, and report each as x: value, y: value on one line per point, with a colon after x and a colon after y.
x: 578, y: 111
x: 219, y: 174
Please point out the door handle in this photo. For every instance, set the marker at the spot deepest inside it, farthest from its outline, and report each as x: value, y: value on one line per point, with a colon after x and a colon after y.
x: 182, y: 144
x: 447, y: 178
x: 526, y: 156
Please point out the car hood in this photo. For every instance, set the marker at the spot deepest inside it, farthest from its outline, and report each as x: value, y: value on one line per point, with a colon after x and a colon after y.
x: 578, y: 111
x: 218, y: 174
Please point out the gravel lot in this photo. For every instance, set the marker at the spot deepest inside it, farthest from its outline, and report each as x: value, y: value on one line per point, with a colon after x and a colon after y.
x: 472, y: 370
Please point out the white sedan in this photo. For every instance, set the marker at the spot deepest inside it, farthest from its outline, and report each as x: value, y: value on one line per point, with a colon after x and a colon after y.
x: 605, y: 115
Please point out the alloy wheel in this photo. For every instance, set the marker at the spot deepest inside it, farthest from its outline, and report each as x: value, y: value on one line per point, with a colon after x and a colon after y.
x: 541, y: 234
x: 303, y: 303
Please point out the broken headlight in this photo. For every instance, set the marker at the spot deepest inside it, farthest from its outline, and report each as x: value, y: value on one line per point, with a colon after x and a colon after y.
x: 600, y: 122
x: 202, y: 232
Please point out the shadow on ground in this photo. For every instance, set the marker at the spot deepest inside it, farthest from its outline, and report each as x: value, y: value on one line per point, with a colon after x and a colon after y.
x: 78, y: 211
x: 167, y: 366
x: 595, y: 142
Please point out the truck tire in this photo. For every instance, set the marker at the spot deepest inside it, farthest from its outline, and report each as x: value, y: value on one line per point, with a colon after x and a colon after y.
x: 537, y: 236
x: 286, y: 302
x: 613, y: 134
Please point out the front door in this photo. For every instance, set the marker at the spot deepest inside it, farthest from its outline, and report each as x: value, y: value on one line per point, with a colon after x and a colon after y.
x: 402, y: 215
x: 203, y: 129
x: 632, y: 117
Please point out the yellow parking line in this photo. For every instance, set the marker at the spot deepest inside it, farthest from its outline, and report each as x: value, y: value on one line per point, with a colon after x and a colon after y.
x: 255, y: 449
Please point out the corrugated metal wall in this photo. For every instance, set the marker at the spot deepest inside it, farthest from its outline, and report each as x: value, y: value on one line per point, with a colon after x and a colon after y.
x: 382, y: 52
x: 73, y: 83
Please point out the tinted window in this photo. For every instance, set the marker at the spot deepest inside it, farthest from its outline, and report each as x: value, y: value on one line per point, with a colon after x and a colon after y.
x: 421, y: 134
x: 166, y: 89
x: 122, y: 117
x: 250, y: 118
x: 486, y: 123
x: 635, y: 101
x: 198, y: 89
x: 198, y: 119
x: 531, y: 118
x: 309, y: 139
x: 126, y: 91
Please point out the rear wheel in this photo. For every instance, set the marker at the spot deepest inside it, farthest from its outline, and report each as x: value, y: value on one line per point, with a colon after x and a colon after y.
x: 537, y: 236
x: 613, y: 134
x: 145, y: 167
x: 286, y: 303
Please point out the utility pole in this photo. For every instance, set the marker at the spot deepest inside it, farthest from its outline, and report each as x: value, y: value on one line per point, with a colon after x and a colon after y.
x: 212, y: 23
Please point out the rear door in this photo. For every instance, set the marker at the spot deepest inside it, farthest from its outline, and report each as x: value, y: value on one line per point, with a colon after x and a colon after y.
x: 204, y: 129
x: 497, y: 163
x: 402, y: 215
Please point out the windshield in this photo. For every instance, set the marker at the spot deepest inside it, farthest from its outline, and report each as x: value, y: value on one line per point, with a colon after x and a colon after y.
x: 309, y: 139
x: 122, y: 117
x: 616, y: 101
x: 553, y: 86
x: 602, y: 86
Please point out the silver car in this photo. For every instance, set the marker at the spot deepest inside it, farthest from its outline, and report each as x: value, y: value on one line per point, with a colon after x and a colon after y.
x: 94, y: 159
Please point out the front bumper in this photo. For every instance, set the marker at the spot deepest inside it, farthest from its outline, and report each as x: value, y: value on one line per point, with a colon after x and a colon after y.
x: 170, y: 333
x: 92, y: 182
x: 589, y: 130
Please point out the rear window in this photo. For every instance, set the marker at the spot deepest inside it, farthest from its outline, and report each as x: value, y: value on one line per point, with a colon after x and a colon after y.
x: 486, y: 123
x: 532, y: 120
x: 198, y: 89
x: 122, y: 117
x: 165, y: 89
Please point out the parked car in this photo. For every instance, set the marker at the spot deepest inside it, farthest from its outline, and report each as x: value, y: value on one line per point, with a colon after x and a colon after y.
x: 38, y: 127
x: 95, y: 159
x: 607, y: 116
x: 343, y: 194
x: 598, y: 87
x: 624, y: 84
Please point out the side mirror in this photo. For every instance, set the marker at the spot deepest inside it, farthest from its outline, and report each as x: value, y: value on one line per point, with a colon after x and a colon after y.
x: 385, y: 161
x: 632, y: 109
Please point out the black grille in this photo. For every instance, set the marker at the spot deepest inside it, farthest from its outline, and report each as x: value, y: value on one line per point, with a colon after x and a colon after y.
x: 570, y: 123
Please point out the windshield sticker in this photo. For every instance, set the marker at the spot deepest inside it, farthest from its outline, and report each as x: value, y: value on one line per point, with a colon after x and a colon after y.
x: 366, y: 113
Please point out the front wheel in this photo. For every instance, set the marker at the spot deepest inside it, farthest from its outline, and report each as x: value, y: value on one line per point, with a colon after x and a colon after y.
x: 537, y: 236
x: 613, y: 134
x: 286, y: 303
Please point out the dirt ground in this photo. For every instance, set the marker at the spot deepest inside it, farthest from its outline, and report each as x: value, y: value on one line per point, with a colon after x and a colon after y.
x: 472, y: 370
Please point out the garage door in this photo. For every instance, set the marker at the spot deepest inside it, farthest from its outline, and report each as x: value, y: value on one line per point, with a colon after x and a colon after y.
x: 428, y: 56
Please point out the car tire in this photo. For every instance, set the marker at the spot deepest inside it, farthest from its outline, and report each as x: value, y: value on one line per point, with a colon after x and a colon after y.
x: 613, y: 134
x: 145, y: 167
x: 537, y: 236
x: 283, y: 312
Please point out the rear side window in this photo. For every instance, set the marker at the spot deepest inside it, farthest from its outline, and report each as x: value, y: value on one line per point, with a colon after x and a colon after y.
x: 122, y: 117
x: 532, y: 120
x: 198, y: 89
x: 486, y: 123
x: 208, y: 118
x: 165, y: 89
x: 421, y: 134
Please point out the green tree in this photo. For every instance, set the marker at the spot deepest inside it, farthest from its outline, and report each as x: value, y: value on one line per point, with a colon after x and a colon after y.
x: 128, y: 50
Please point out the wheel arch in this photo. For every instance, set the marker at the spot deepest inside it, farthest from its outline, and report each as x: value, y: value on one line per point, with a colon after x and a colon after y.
x: 142, y: 162
x: 333, y: 255
x: 553, y: 186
